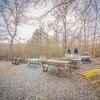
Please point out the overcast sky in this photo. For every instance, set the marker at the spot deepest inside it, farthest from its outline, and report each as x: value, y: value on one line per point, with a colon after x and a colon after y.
x: 26, y: 30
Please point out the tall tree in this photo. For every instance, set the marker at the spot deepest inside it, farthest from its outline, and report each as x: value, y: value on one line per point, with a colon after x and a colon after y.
x: 13, y: 15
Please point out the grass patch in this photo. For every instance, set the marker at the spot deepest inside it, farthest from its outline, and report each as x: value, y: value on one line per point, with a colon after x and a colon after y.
x: 9, y: 69
x: 93, y: 75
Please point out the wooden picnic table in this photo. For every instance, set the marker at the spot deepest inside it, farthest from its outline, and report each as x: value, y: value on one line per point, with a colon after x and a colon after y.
x: 59, y: 64
x: 17, y: 61
x: 9, y: 58
x: 76, y: 63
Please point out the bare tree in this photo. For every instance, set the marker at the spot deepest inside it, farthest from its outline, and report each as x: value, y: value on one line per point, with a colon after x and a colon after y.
x: 13, y: 15
x: 95, y: 27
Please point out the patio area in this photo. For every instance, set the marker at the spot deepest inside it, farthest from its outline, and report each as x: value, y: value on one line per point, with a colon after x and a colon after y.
x: 22, y: 82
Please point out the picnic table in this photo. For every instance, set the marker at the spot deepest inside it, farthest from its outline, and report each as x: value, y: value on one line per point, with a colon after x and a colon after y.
x: 59, y: 64
x: 85, y: 58
x: 17, y: 61
x: 75, y: 63
x: 9, y: 58
x: 34, y: 61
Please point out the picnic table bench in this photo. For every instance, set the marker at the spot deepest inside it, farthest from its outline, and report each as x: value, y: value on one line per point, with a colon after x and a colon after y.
x: 59, y: 64
x: 17, y: 61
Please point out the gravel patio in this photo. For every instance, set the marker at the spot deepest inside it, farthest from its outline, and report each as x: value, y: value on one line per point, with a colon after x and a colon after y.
x: 31, y: 83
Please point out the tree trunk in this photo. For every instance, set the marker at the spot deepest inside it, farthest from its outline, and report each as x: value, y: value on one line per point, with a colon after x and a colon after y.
x: 11, y: 47
x: 65, y: 34
x: 94, y: 34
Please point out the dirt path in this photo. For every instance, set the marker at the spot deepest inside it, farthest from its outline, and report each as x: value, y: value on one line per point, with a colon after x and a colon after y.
x: 30, y: 83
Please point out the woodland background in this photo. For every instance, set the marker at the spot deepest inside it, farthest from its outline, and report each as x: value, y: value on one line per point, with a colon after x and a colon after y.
x: 76, y: 23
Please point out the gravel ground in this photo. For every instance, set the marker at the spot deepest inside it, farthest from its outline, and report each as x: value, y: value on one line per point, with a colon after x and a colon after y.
x: 31, y: 83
